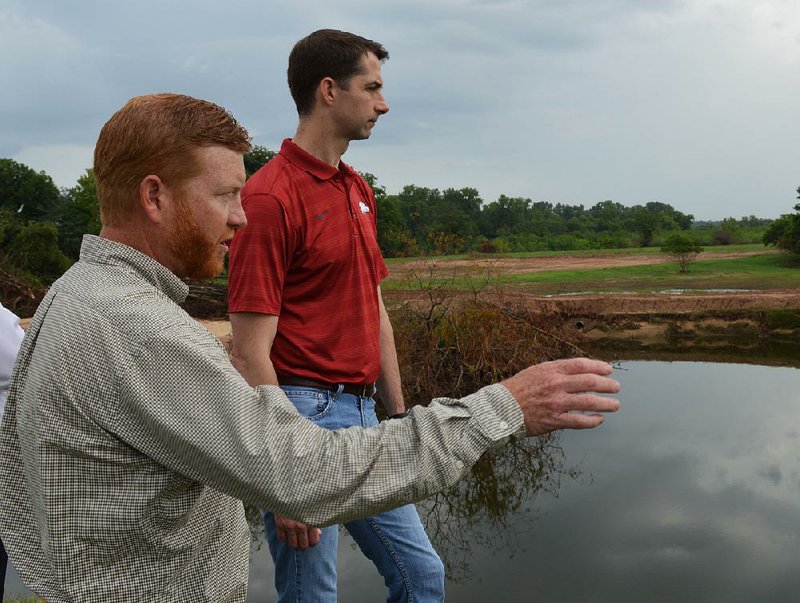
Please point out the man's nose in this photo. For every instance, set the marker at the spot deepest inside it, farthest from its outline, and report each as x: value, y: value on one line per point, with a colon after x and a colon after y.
x: 383, y: 106
x: 236, y: 216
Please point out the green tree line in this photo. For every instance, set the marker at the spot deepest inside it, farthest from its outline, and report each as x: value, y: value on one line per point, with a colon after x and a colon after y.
x: 421, y: 220
x: 41, y: 226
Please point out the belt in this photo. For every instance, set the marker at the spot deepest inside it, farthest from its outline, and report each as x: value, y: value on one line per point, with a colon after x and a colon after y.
x: 365, y: 390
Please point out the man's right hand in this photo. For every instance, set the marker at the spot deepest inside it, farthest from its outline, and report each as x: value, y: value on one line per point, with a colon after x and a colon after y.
x: 554, y: 395
x: 295, y: 534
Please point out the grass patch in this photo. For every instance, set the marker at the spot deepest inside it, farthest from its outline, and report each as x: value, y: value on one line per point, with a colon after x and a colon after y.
x: 763, y: 271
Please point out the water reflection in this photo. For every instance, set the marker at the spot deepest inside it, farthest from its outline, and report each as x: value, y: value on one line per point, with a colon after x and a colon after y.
x: 693, y: 497
x: 481, y: 515
x: 689, y: 493
x: 484, y: 511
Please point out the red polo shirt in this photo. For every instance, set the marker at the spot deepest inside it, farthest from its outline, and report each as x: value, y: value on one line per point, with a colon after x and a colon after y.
x: 309, y: 254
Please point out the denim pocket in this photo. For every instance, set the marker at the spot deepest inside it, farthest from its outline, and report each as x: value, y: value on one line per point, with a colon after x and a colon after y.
x: 310, y: 402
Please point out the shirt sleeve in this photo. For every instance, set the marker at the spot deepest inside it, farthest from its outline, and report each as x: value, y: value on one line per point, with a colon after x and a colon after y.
x: 10, y: 339
x: 183, y: 404
x: 20, y: 520
x: 259, y: 257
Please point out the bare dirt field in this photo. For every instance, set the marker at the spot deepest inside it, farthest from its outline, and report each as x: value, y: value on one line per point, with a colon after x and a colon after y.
x: 577, y: 261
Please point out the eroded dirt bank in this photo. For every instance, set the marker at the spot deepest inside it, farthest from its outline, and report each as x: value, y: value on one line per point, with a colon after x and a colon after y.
x: 755, y: 327
x: 755, y: 323
x: 741, y: 327
x: 751, y: 328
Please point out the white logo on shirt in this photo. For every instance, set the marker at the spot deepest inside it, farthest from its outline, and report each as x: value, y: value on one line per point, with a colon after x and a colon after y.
x: 364, y: 207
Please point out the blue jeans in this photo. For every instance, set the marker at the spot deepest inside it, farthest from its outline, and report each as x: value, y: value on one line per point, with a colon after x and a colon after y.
x: 395, y: 541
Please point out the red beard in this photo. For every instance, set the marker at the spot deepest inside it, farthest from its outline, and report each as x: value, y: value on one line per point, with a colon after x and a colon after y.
x: 199, y: 255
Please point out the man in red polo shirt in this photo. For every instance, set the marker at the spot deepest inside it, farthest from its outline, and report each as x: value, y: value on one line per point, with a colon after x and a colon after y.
x: 306, y: 307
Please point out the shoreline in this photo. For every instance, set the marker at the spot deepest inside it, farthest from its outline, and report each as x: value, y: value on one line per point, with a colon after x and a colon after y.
x: 761, y: 327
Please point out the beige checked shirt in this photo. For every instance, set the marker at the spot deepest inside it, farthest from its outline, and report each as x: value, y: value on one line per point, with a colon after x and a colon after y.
x: 129, y: 441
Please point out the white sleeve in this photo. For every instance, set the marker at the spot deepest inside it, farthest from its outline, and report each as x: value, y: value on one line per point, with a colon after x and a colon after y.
x: 10, y: 338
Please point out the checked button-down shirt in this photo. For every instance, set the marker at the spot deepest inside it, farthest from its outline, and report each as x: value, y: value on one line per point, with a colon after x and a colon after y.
x: 129, y: 442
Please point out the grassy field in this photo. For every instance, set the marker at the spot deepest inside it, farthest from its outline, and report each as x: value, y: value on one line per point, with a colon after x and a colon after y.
x: 756, y: 272
x: 763, y: 271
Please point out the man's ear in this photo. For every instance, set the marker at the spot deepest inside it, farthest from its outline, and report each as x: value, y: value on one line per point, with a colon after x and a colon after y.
x: 152, y: 194
x: 326, y: 90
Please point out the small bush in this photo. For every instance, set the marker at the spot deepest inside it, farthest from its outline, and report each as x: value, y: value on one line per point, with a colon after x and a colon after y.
x: 682, y: 249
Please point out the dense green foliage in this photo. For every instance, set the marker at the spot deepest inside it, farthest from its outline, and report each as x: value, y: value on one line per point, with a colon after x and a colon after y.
x: 430, y: 221
x: 784, y: 232
x: 427, y: 221
x: 257, y: 157
x: 81, y: 215
x: 31, y: 207
x: 27, y: 194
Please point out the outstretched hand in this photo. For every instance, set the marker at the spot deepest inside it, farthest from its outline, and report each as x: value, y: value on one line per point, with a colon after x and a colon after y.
x: 555, y: 395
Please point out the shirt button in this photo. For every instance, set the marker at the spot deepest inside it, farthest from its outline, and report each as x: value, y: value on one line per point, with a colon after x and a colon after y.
x: 503, y: 425
x: 459, y: 465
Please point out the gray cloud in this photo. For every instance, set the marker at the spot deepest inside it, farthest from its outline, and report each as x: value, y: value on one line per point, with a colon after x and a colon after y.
x: 687, y: 102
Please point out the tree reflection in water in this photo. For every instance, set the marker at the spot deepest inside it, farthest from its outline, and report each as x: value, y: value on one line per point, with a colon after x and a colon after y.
x: 484, y: 509
x: 457, y: 344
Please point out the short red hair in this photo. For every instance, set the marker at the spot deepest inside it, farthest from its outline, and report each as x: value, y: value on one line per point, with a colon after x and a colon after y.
x: 157, y: 134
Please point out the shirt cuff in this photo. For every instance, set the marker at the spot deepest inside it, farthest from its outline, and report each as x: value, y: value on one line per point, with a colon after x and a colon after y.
x: 495, y: 418
x: 497, y: 414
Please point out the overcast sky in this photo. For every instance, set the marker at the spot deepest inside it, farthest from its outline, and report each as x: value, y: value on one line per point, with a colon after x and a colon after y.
x: 691, y: 102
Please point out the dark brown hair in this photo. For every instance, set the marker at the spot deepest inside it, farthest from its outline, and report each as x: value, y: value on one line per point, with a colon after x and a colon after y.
x: 157, y: 134
x: 326, y: 53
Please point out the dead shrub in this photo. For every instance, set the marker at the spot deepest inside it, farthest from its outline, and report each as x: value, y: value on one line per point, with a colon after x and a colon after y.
x: 451, y: 343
